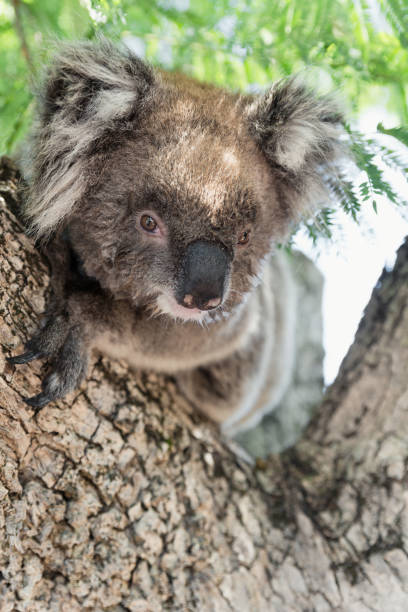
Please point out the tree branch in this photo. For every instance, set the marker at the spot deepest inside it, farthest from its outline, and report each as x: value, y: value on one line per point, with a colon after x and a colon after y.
x: 21, y: 34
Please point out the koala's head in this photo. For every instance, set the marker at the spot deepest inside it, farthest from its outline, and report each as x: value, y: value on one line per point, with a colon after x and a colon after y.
x: 174, y: 192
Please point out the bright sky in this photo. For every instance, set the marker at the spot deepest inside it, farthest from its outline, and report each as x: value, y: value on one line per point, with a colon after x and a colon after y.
x: 351, y: 270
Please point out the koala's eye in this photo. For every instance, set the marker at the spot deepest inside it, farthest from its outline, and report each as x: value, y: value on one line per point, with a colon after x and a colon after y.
x: 148, y: 223
x: 244, y: 237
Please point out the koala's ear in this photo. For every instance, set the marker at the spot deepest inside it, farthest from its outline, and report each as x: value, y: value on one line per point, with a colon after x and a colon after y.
x: 294, y: 127
x: 91, y: 95
x: 95, y: 81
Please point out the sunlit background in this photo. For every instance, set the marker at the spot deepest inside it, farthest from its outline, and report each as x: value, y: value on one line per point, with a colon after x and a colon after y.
x: 357, y: 48
x: 351, y: 267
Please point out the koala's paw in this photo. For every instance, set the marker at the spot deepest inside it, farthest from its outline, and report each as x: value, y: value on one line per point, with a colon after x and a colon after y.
x: 63, y: 345
x: 46, y: 342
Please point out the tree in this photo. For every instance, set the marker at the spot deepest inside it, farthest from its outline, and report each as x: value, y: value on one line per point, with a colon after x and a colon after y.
x: 121, y: 498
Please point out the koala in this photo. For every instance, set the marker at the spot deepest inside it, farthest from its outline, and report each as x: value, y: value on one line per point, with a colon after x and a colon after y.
x: 159, y: 202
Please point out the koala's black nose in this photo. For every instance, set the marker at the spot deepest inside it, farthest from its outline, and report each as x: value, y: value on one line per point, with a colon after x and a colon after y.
x: 203, y: 275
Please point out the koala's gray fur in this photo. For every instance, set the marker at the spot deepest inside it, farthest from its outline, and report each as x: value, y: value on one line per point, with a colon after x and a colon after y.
x: 116, y: 142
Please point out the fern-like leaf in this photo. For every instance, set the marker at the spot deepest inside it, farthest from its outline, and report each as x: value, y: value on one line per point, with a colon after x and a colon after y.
x: 400, y: 133
x: 396, y: 12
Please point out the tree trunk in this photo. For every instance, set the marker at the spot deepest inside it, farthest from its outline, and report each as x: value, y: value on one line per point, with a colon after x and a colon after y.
x: 121, y: 498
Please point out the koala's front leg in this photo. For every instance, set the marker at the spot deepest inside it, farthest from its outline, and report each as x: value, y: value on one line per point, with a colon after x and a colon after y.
x: 64, y: 340
x: 69, y: 325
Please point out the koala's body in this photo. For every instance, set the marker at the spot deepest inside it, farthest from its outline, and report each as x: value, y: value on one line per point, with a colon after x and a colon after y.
x: 160, y: 201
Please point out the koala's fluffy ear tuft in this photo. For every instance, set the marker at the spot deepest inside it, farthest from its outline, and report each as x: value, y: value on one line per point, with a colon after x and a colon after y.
x: 294, y: 127
x: 90, y: 92
x: 88, y: 80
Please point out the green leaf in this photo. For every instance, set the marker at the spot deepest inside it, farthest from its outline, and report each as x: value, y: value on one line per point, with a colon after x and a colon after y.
x: 400, y: 133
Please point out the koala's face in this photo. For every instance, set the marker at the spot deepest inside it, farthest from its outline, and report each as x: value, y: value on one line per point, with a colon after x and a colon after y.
x: 181, y: 219
x: 173, y: 191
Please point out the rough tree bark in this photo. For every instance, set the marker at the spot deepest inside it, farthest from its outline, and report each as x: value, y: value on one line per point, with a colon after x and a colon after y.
x: 121, y: 498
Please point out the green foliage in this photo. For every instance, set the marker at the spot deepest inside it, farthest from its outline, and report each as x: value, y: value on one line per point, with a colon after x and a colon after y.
x: 358, y: 48
x: 400, y: 133
x: 397, y: 14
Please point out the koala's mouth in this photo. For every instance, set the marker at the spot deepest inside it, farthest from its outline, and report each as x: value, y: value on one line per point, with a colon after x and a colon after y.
x: 167, y: 304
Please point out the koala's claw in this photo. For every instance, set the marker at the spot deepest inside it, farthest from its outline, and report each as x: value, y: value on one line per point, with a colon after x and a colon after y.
x: 25, y: 357
x: 48, y: 339
x: 38, y: 401
x: 64, y: 377
x: 64, y: 345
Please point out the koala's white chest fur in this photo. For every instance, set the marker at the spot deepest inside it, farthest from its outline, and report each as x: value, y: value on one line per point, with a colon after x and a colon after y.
x: 163, y: 345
